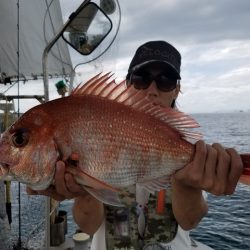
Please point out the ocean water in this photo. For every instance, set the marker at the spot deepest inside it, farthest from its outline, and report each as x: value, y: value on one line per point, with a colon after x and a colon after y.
x: 227, y: 225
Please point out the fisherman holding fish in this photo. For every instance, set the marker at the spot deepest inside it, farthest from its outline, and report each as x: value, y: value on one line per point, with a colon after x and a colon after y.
x: 154, y: 72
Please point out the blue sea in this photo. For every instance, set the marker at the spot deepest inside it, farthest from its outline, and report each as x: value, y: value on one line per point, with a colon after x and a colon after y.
x: 227, y: 225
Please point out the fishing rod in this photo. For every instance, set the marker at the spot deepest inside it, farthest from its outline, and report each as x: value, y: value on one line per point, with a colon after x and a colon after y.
x: 7, y: 182
x: 19, y: 241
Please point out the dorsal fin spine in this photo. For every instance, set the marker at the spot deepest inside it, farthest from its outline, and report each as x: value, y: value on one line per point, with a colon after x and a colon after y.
x: 122, y: 95
x: 90, y: 89
x: 98, y: 84
x: 101, y: 88
x: 150, y: 110
x: 105, y: 88
x: 75, y: 91
x: 133, y: 98
x: 138, y: 103
x: 127, y: 101
x: 113, y: 91
x: 144, y: 107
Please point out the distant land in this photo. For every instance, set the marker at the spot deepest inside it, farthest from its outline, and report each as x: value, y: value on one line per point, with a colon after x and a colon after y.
x: 222, y: 111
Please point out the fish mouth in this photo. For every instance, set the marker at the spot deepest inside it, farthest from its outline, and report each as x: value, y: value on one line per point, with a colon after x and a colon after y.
x: 4, y: 169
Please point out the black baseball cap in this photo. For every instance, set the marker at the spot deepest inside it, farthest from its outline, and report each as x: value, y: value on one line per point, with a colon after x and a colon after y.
x: 158, y: 52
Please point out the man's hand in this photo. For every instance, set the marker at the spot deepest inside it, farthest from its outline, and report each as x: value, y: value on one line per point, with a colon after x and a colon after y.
x: 213, y: 169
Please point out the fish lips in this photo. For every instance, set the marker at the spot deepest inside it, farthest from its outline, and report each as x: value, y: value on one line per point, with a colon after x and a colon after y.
x: 4, y: 170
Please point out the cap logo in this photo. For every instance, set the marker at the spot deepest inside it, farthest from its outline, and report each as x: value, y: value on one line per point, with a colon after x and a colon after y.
x: 165, y: 55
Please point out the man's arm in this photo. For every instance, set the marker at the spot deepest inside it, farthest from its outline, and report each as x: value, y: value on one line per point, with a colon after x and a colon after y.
x: 189, y: 205
x: 88, y: 213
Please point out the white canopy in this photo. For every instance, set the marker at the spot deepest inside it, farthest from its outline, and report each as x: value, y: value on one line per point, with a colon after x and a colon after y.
x: 39, y: 20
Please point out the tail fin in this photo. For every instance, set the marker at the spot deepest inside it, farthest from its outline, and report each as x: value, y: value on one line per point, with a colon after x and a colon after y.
x: 245, y: 177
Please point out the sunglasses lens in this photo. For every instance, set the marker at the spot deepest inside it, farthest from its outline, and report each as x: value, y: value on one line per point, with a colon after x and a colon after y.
x: 165, y: 84
x: 139, y: 81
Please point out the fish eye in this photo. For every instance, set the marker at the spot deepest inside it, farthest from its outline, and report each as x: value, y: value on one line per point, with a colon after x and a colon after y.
x: 20, y: 139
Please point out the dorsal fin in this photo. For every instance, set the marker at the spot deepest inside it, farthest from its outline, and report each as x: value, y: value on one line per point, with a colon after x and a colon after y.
x: 105, y: 87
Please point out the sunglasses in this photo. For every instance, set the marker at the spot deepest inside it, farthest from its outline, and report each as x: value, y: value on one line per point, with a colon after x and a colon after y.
x: 144, y: 79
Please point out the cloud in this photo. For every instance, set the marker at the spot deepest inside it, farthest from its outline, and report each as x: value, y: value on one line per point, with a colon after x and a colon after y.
x: 212, y: 36
x: 187, y: 21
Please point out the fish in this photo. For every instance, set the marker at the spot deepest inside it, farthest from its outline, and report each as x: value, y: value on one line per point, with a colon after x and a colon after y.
x: 119, y: 138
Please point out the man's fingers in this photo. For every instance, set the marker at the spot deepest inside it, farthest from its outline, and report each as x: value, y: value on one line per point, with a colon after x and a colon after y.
x: 200, y: 155
x: 197, y: 166
x: 192, y: 173
x: 210, y: 168
x: 71, y: 184
x: 235, y: 170
x: 60, y: 179
x: 65, y: 182
x: 222, y: 169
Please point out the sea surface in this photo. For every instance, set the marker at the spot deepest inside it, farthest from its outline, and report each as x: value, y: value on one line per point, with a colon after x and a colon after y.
x: 227, y: 225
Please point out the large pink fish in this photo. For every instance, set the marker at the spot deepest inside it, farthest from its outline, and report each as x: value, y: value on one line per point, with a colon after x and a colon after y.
x: 118, y: 136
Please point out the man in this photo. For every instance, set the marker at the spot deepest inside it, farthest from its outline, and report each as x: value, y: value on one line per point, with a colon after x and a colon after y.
x: 155, y: 70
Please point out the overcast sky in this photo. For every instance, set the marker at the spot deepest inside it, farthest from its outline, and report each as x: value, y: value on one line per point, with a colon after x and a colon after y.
x: 213, y: 37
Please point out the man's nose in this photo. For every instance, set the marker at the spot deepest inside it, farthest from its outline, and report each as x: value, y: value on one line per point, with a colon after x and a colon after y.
x: 152, y: 90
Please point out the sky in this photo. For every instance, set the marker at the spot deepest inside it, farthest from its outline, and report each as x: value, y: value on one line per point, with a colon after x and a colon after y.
x: 212, y: 36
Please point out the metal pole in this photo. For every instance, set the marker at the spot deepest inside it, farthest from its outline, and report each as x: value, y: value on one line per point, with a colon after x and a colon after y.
x: 46, y: 97
x: 19, y: 243
x: 47, y: 50
x: 45, y: 61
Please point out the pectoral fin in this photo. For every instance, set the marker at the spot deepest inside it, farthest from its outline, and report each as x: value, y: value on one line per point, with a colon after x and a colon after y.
x: 106, y: 196
x: 97, y: 188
